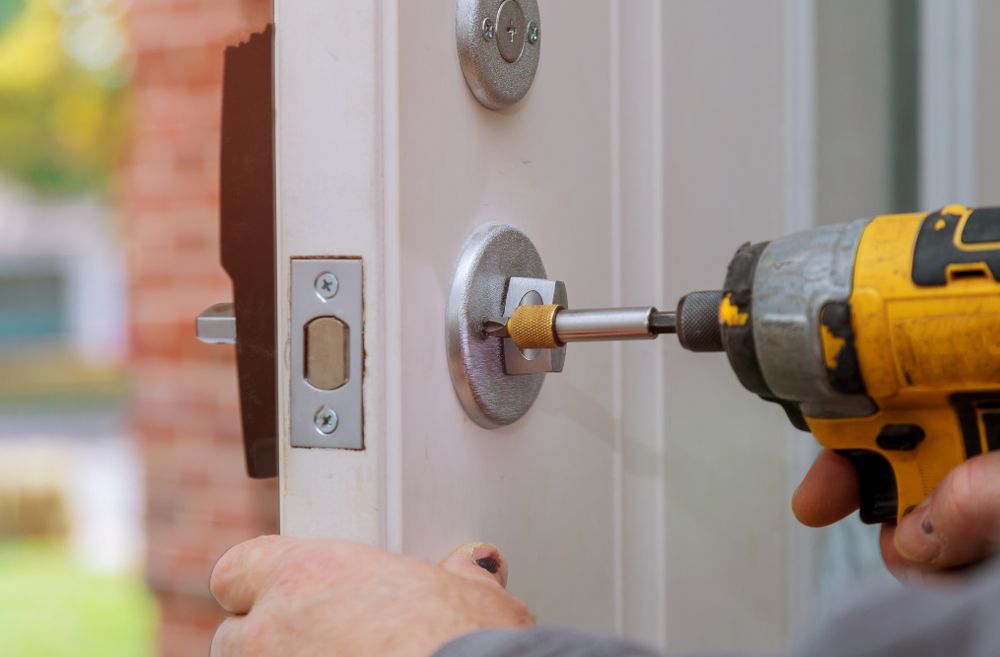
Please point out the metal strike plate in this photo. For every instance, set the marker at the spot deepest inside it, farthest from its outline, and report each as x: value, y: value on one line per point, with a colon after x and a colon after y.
x: 532, y: 292
x: 499, y: 44
x: 326, y: 353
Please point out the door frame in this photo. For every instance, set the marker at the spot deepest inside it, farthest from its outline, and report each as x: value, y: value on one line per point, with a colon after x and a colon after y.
x: 342, y: 206
x: 800, y: 175
x: 949, y: 102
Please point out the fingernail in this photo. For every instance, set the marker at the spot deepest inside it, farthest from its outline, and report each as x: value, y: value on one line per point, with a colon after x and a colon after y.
x: 489, y: 563
x: 487, y: 556
x: 916, y: 540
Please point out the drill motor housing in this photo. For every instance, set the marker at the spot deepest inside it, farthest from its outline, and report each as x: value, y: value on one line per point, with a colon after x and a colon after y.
x: 881, y: 337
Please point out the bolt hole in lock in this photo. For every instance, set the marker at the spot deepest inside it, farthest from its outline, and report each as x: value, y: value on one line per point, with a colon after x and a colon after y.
x: 327, y: 353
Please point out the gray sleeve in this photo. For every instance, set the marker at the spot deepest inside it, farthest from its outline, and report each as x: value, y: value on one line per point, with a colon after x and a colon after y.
x: 917, y: 622
x: 539, y: 642
x: 926, y: 621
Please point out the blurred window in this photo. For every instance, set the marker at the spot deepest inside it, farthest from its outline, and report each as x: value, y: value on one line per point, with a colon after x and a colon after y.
x: 32, y: 307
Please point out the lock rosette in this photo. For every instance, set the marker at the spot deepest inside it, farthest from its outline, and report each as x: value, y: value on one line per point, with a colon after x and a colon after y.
x: 498, y: 271
x: 509, y: 324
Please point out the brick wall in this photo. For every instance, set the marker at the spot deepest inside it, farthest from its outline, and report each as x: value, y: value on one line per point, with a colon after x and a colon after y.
x: 184, y: 407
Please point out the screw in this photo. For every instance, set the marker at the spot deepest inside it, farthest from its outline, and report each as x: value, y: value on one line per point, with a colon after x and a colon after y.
x: 489, y: 29
x: 533, y: 33
x: 326, y: 421
x: 326, y: 285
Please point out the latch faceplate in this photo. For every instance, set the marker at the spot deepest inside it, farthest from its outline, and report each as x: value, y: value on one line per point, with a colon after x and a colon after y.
x: 326, y: 353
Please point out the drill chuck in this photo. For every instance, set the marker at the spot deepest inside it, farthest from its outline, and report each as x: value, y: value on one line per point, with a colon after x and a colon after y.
x: 698, y: 321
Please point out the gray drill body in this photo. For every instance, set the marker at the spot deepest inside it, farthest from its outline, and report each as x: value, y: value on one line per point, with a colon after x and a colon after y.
x: 796, y: 276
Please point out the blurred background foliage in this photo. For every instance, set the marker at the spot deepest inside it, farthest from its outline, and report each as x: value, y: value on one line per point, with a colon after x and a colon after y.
x: 70, y: 489
x: 55, y: 608
x: 64, y: 69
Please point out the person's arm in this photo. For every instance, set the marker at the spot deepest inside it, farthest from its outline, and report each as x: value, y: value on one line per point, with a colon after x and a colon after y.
x: 297, y: 597
x: 946, y: 621
x: 911, y: 622
x: 293, y: 597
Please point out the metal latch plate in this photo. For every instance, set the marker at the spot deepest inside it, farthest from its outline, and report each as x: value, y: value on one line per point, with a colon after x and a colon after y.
x: 326, y: 294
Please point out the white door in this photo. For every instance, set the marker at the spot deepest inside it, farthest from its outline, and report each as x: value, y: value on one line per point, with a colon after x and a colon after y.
x: 645, y: 493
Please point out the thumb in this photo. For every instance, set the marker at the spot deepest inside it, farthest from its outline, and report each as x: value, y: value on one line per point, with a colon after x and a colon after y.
x: 959, y: 522
x: 478, y: 561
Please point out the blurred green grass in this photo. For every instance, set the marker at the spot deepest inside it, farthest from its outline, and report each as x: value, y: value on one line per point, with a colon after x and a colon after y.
x: 52, y: 607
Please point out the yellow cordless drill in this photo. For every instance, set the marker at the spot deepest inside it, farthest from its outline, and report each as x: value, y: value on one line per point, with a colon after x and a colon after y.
x: 880, y: 336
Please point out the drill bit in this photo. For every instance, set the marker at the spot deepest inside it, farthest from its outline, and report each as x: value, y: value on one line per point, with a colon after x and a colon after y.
x: 662, y: 321
x: 575, y: 325
x: 494, y: 328
x: 695, y: 322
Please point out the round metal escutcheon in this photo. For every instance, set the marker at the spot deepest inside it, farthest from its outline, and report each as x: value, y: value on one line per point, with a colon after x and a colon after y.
x: 499, y: 43
x: 490, y: 257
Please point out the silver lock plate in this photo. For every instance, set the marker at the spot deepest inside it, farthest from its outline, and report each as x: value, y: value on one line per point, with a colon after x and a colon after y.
x: 326, y: 353
x: 499, y: 43
x: 499, y: 269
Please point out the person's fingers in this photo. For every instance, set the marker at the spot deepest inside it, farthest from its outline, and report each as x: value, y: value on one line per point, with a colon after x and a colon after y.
x: 478, y: 561
x: 907, y: 572
x: 959, y: 522
x: 245, y: 570
x: 894, y: 563
x: 228, y: 639
x: 828, y: 492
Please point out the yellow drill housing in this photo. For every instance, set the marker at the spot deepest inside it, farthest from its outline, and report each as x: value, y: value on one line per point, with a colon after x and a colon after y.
x: 882, y: 338
x: 926, y: 316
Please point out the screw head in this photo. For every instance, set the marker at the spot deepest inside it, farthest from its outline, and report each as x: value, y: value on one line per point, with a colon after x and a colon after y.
x: 326, y: 421
x: 327, y: 285
x: 489, y: 28
x: 533, y: 33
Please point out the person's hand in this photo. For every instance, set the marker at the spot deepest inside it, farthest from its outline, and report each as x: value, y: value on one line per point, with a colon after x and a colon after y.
x: 957, y: 525
x: 293, y: 597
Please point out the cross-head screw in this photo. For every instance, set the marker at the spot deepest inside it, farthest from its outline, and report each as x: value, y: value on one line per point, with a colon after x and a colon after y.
x: 326, y: 421
x: 533, y: 33
x: 489, y: 29
x: 327, y: 285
